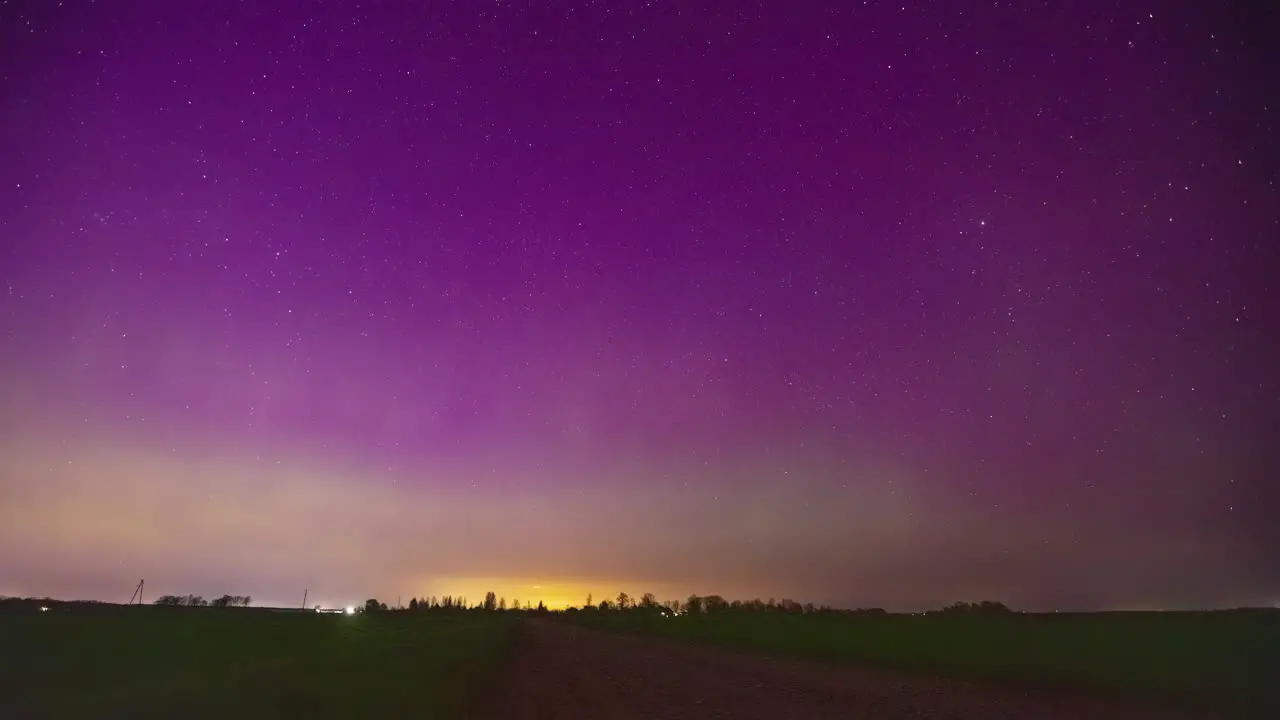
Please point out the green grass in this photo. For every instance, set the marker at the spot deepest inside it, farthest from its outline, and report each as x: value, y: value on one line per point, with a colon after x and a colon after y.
x: 203, y: 662
x: 1225, y: 660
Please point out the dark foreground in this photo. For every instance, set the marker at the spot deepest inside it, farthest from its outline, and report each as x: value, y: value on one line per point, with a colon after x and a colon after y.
x: 78, y: 661
x: 558, y: 670
x: 242, y: 664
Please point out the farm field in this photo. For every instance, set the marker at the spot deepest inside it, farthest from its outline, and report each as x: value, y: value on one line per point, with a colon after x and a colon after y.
x: 203, y: 662
x: 252, y: 663
x: 1220, y: 660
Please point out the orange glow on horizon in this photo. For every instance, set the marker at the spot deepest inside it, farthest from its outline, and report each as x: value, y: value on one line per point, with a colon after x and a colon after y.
x: 555, y: 594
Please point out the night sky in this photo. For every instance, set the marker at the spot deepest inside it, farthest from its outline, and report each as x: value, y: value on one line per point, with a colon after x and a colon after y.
x: 863, y: 303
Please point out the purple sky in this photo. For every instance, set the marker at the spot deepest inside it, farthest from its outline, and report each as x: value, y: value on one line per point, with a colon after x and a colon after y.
x: 861, y: 303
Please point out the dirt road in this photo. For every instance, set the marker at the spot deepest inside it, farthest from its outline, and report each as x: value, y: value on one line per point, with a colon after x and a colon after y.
x: 566, y: 672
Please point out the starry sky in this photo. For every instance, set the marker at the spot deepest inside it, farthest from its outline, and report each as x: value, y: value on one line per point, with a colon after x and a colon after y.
x: 863, y: 303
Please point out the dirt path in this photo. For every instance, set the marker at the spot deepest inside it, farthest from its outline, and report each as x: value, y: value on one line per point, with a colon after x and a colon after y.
x: 562, y: 671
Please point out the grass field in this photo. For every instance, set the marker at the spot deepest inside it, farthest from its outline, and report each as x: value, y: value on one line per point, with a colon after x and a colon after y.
x: 1227, y: 659
x: 204, y: 662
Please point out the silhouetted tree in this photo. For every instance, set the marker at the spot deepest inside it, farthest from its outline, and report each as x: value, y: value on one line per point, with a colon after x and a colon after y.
x: 490, y: 601
x: 502, y: 603
x: 170, y: 600
x: 588, y: 601
x: 541, y: 608
x: 714, y: 604
x: 605, y: 605
x: 624, y: 601
x: 648, y: 601
x: 986, y: 607
x: 413, y: 604
x: 372, y: 605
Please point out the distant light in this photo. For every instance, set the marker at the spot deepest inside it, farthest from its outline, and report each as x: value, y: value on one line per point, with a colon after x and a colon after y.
x: 350, y: 610
x: 317, y: 610
x: 44, y: 609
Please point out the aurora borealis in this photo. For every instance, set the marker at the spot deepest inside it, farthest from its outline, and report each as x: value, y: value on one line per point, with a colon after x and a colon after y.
x: 874, y: 303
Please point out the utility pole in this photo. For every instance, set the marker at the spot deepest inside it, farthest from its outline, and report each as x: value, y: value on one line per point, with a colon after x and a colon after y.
x: 137, y: 592
x: 304, y: 597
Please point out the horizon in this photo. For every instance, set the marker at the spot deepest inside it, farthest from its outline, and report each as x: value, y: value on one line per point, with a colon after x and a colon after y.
x: 472, y: 604
x: 874, y: 305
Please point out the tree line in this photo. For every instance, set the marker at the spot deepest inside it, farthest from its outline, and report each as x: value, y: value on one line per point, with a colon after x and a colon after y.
x: 648, y: 603
x: 198, y: 601
x: 456, y: 603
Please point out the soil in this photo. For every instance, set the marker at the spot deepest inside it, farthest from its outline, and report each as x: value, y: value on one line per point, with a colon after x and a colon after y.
x: 559, y: 671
